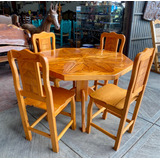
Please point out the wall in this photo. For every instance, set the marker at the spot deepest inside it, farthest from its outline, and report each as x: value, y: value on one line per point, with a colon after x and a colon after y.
x: 34, y: 6
x: 140, y: 31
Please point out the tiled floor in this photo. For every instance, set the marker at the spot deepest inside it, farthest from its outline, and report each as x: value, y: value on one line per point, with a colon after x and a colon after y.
x: 143, y: 142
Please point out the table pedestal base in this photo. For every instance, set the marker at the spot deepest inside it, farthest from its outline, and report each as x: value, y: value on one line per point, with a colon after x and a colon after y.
x: 82, y: 91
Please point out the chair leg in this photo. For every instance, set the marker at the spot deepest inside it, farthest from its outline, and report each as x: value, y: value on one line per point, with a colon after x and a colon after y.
x: 105, y: 82
x: 47, y: 117
x: 73, y: 113
x: 61, y: 41
x: 120, y: 132
x: 116, y: 81
x: 74, y: 84
x: 156, y: 63
x: 89, y: 116
x: 95, y: 84
x: 135, y: 113
x: 104, y: 116
x: 24, y: 117
x: 83, y: 110
x: 53, y: 132
x: 56, y: 83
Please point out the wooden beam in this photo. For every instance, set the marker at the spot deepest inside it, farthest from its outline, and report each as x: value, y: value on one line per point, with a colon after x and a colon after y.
x: 65, y: 129
x: 103, y: 131
x: 38, y: 120
x: 40, y: 132
x: 98, y: 112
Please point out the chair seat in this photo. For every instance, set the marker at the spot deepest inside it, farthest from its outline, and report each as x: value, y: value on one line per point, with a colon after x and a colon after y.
x: 106, y: 94
x: 61, y: 96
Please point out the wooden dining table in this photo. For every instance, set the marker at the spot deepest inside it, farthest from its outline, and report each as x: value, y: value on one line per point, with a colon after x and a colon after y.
x: 84, y: 64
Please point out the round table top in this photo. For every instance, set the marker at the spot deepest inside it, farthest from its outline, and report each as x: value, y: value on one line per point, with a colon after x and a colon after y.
x: 87, y: 64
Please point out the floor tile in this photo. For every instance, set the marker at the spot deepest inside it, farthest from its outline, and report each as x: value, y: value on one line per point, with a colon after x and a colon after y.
x: 150, y: 106
x: 158, y: 123
x: 14, y: 145
x: 143, y: 142
x: 96, y: 144
x: 148, y: 146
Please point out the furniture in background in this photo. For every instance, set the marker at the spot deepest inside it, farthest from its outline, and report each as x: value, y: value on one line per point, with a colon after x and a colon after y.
x: 42, y: 42
x: 13, y: 19
x: 84, y: 64
x: 51, y: 99
x: 77, y: 32
x: 112, y: 42
x: 40, y: 21
x: 12, y: 37
x: 95, y: 20
x: 155, y: 29
x: 35, y: 23
x: 26, y: 19
x: 65, y: 32
x: 116, y: 100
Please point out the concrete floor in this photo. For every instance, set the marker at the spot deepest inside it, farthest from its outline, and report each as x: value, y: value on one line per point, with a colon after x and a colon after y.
x: 143, y: 142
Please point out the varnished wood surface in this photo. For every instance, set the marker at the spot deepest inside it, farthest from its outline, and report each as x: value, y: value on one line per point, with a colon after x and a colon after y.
x: 42, y: 41
x: 112, y: 41
x: 35, y: 94
x: 87, y: 64
x: 3, y: 59
x: 83, y: 64
x: 45, y: 41
x: 7, y: 48
x: 117, y: 100
x: 12, y: 35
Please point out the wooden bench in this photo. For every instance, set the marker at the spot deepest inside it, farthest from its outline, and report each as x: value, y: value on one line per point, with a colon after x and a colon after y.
x: 12, y: 37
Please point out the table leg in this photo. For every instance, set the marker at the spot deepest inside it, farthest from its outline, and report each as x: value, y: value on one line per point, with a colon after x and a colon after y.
x: 83, y: 110
x: 116, y: 81
x: 81, y: 85
x: 82, y: 95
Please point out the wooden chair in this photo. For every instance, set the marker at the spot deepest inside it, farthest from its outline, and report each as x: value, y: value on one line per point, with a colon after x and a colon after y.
x: 116, y: 100
x: 156, y: 42
x: 77, y: 32
x: 66, y: 27
x: 51, y: 99
x: 12, y: 37
x: 45, y: 41
x: 111, y: 44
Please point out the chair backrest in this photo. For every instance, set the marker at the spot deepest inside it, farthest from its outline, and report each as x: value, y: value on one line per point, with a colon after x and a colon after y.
x: 112, y: 41
x: 66, y: 26
x: 140, y: 73
x: 155, y: 29
x: 40, y: 21
x: 76, y: 26
x: 29, y: 68
x: 42, y: 41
